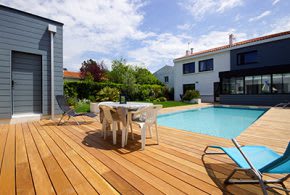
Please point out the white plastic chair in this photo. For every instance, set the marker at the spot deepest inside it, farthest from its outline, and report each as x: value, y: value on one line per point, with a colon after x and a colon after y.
x: 144, y: 118
x: 108, y: 120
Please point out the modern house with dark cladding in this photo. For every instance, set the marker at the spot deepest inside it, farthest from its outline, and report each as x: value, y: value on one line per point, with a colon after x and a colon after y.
x: 250, y: 72
x: 31, y: 64
x: 259, y: 73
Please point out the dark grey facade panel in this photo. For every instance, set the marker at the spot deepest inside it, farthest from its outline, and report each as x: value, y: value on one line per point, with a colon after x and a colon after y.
x: 24, y: 32
x: 259, y: 100
x: 26, y: 16
x: 268, y: 54
x: 29, y: 35
x: 36, y: 45
x: 20, y: 25
x: 4, y: 98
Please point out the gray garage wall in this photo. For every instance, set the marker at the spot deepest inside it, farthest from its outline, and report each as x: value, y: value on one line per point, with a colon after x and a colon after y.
x: 23, y: 32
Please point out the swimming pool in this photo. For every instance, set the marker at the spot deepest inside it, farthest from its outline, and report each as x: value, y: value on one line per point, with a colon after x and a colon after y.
x: 226, y: 122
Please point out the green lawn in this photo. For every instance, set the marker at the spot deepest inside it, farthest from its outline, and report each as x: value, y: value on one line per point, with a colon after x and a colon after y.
x: 85, y: 107
x: 171, y: 104
x: 82, y: 107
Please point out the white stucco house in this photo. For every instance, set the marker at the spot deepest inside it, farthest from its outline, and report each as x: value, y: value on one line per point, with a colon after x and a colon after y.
x: 200, y: 71
x: 165, y: 75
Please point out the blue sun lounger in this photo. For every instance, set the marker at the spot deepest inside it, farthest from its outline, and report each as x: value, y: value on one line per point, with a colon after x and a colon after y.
x: 256, y: 160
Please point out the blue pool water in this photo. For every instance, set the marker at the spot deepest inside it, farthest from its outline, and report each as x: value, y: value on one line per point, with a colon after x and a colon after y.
x: 223, y: 122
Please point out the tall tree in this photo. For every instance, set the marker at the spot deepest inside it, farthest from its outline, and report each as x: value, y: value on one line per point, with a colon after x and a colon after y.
x: 144, y: 76
x: 95, y: 69
x: 121, y: 72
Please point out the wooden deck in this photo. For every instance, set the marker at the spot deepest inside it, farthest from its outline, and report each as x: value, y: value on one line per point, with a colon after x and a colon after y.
x: 42, y: 158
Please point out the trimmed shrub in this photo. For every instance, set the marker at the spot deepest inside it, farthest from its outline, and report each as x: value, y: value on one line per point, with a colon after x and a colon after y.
x: 191, y: 94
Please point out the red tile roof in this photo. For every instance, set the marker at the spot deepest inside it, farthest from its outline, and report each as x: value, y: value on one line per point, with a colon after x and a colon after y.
x: 69, y: 74
x: 237, y: 44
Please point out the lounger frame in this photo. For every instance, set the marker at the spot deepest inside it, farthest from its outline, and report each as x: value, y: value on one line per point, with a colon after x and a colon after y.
x: 252, y: 171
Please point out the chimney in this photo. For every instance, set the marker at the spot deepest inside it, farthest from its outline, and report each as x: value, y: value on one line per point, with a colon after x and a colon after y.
x: 191, y: 50
x: 187, y: 52
x: 231, y: 40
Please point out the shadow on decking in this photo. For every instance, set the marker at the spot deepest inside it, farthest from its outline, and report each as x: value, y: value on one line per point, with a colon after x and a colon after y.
x: 95, y: 139
x: 69, y: 123
x: 214, y: 172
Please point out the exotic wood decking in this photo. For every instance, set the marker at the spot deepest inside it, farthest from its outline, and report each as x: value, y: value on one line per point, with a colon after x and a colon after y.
x: 40, y: 157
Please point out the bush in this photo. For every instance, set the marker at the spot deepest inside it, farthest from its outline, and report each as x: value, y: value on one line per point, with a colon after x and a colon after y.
x: 82, y: 106
x: 108, y: 94
x: 156, y: 100
x: 191, y: 94
x: 162, y: 99
x: 89, y: 90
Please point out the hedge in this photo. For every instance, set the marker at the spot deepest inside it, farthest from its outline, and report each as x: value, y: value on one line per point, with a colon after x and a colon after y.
x: 88, y: 90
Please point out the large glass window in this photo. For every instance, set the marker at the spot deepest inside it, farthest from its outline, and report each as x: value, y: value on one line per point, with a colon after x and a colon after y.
x: 189, y: 68
x: 188, y: 87
x: 239, y: 85
x: 266, y: 84
x: 286, y: 83
x: 225, y: 86
x: 247, y: 57
x: 257, y: 85
x: 277, y: 86
x: 205, y: 65
x: 249, y: 85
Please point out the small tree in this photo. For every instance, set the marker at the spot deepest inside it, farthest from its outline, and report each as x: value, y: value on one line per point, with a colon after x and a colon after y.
x: 91, y: 68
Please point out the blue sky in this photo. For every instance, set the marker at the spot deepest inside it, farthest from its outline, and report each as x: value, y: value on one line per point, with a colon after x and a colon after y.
x: 152, y: 33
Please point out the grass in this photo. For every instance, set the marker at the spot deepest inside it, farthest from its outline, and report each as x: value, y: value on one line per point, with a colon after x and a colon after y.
x: 82, y: 107
x: 167, y: 104
x: 85, y: 107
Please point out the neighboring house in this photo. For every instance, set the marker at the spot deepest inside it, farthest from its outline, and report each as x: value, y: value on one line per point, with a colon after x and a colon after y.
x: 165, y: 75
x: 199, y: 71
x: 252, y: 72
x: 25, y: 64
x: 260, y: 72
x: 71, y: 76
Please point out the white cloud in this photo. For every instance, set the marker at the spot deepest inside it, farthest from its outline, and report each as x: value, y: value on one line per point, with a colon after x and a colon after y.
x: 165, y: 47
x: 280, y: 25
x: 275, y: 2
x: 200, y: 8
x: 237, y: 17
x: 90, y: 25
x: 229, y: 4
x: 262, y: 15
x: 159, y: 50
x: 184, y: 27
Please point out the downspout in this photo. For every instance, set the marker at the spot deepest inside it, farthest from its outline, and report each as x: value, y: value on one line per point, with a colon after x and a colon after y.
x: 52, y: 30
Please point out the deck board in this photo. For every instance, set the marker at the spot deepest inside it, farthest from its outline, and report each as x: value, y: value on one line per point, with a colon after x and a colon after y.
x: 24, y: 184
x: 43, y: 158
x: 7, y: 175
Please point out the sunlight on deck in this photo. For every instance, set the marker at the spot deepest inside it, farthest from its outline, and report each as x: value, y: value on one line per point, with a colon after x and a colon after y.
x: 40, y: 157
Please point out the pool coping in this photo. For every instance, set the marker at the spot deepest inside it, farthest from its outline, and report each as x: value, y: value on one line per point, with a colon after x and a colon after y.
x: 217, y: 105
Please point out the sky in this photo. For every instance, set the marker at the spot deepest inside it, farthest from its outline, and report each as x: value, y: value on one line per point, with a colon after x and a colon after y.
x: 151, y: 33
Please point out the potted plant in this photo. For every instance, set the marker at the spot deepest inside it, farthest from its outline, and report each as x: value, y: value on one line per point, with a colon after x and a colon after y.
x: 192, y: 96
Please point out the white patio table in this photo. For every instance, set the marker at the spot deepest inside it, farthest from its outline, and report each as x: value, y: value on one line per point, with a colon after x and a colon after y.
x: 122, y: 110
